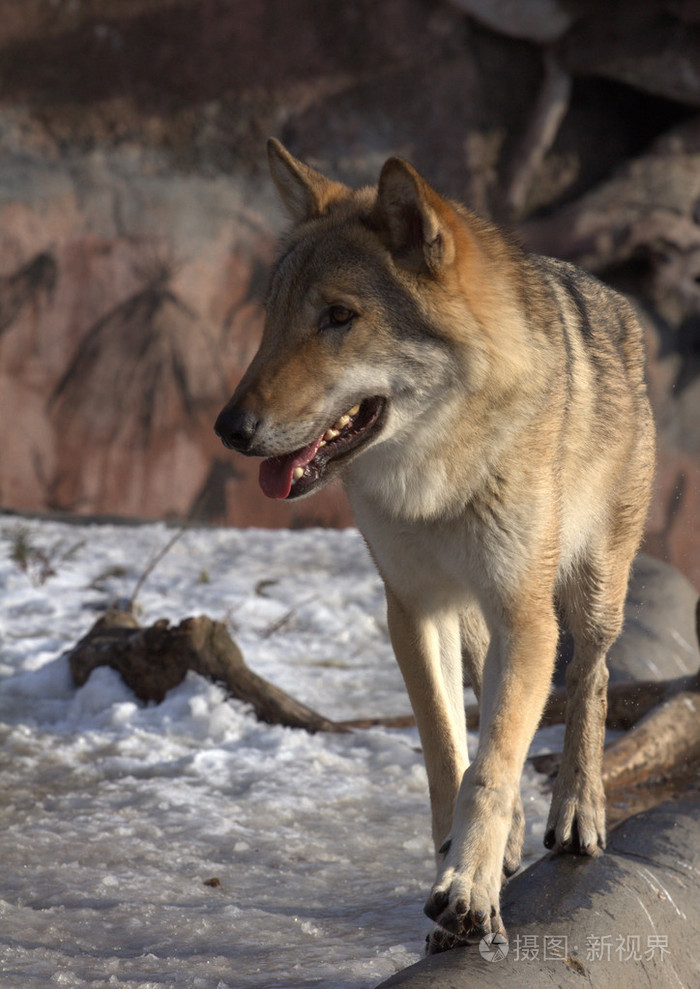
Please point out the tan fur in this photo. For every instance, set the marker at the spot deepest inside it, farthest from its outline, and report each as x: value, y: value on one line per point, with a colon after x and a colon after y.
x: 508, y: 477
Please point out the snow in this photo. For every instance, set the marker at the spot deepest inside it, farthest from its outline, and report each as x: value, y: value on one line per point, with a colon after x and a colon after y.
x: 115, y: 814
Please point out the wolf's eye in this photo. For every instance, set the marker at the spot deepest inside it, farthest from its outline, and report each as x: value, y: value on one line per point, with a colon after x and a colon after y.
x: 335, y: 316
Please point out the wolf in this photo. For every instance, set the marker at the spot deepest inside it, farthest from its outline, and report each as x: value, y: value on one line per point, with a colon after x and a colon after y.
x: 487, y: 412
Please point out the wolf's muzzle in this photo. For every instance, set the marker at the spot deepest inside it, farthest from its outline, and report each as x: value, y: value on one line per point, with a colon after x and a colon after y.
x: 236, y: 429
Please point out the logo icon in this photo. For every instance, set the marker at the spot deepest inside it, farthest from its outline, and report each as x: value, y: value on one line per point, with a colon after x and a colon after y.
x: 494, y: 947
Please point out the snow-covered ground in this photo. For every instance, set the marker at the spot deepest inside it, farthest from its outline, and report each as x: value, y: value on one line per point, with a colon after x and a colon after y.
x: 114, y: 814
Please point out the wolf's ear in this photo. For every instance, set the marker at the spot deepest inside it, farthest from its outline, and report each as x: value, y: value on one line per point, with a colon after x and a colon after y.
x: 305, y: 192
x: 413, y: 219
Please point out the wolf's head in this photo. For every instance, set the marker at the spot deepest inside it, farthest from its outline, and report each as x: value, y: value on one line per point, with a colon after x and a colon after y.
x: 371, y: 300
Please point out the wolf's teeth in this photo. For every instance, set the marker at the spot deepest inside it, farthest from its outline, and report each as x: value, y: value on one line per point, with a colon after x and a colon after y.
x: 354, y: 410
x: 343, y: 421
x: 297, y: 473
x: 330, y: 434
x: 322, y: 443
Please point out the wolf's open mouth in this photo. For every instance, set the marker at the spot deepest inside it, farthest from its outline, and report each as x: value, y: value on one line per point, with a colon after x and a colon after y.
x: 295, y: 474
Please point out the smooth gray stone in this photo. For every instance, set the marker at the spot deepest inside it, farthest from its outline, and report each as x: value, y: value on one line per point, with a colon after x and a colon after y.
x: 645, y: 886
x: 659, y: 640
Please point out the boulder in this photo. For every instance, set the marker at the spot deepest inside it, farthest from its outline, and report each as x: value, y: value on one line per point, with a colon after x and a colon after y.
x: 542, y: 21
x: 630, y: 917
x: 659, y: 640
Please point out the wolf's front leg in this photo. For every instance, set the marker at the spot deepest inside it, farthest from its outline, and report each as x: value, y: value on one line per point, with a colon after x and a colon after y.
x: 427, y: 648
x: 465, y: 897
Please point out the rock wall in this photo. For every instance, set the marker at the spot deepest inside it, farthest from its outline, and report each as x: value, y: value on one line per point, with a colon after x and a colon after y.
x: 137, y: 221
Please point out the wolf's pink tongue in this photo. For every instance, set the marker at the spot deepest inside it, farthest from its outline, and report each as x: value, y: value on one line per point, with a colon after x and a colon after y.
x: 276, y: 473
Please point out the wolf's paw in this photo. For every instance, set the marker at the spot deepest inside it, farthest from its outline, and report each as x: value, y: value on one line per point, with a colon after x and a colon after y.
x: 576, y: 821
x: 465, y: 897
x: 467, y: 911
x: 439, y: 940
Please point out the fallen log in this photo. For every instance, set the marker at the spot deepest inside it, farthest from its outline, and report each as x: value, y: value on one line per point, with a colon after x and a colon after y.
x: 662, y: 742
x: 153, y: 660
x: 665, y: 741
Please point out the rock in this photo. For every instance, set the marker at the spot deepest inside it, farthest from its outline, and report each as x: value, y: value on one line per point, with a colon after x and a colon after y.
x: 659, y: 639
x: 673, y: 374
x: 631, y: 916
x: 646, y: 211
x: 641, y: 43
x: 542, y: 21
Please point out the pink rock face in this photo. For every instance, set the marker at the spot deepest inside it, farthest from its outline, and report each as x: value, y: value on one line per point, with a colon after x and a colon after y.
x: 137, y: 223
x: 116, y: 353
x: 673, y: 533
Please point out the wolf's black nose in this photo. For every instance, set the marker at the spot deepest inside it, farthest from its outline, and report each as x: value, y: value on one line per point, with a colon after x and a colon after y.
x: 236, y: 429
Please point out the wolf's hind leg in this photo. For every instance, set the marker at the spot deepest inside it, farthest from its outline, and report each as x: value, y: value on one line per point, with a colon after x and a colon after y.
x: 594, y: 607
x: 514, y: 844
x: 474, y: 637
